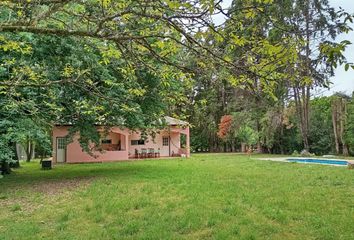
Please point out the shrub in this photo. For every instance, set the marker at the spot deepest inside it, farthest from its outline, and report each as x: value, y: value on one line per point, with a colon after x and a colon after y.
x: 305, y: 153
x: 6, y: 156
x: 295, y: 153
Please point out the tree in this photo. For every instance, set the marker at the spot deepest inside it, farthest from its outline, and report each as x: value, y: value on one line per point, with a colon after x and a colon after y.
x: 349, y: 127
x: 339, y: 121
x: 247, y: 136
x: 30, y: 135
x: 6, y: 150
x: 271, y: 130
x: 6, y: 154
x: 321, y: 137
x: 225, y: 126
x: 127, y: 63
x: 313, y: 22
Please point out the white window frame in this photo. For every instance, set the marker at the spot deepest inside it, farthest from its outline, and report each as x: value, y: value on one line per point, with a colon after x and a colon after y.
x: 165, y: 141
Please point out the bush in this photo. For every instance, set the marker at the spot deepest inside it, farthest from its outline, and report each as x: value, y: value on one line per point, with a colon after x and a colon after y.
x: 295, y: 153
x: 305, y: 153
x: 6, y: 156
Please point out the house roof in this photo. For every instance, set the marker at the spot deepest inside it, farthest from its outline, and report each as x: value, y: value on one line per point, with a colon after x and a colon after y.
x: 175, y: 121
x: 169, y: 120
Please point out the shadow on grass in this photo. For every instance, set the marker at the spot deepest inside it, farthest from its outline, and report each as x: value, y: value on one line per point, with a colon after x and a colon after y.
x: 30, y: 175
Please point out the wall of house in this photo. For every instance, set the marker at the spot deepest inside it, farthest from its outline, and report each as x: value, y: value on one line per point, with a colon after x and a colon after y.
x: 75, y: 154
x: 123, y: 142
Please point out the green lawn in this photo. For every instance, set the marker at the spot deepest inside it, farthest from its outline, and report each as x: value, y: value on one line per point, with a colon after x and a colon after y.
x: 214, y: 196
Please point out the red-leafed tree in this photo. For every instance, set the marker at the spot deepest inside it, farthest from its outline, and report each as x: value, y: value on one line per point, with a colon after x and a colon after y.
x: 224, y: 126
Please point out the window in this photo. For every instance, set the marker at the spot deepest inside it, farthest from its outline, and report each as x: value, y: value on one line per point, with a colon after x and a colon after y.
x: 106, y: 141
x: 137, y: 142
x: 165, y: 141
x: 61, y: 143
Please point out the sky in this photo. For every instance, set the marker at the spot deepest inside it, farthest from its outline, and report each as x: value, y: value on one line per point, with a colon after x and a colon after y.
x: 342, y: 81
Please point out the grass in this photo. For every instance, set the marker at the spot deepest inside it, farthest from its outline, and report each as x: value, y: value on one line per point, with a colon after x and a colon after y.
x: 209, y: 196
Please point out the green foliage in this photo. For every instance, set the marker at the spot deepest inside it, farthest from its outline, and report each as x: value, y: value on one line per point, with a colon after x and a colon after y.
x: 282, y: 50
x: 199, y: 143
x: 128, y: 63
x: 26, y: 132
x: 295, y: 154
x: 92, y: 92
x: 247, y: 135
x: 321, y: 128
x: 349, y: 130
x: 90, y: 74
x: 271, y: 124
x: 6, y: 152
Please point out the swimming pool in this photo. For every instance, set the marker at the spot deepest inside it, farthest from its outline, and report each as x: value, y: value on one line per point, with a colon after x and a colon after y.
x: 319, y: 161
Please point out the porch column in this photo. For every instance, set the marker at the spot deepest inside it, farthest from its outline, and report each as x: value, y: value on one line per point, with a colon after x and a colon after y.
x: 127, y: 144
x: 54, y: 147
x: 188, y: 149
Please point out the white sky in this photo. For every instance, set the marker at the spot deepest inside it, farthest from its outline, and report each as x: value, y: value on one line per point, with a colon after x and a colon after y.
x: 342, y: 81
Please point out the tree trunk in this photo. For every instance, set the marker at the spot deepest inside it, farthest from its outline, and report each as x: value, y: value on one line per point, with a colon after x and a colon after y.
x: 301, y: 103
x: 233, y: 148
x: 304, y: 99
x: 343, y: 123
x: 259, y: 145
x: 15, y: 164
x: 29, y: 150
x: 334, y: 123
x: 243, y: 147
x: 339, y: 115
x: 345, y: 150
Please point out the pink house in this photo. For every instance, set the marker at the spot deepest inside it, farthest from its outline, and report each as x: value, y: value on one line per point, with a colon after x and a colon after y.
x: 124, y: 144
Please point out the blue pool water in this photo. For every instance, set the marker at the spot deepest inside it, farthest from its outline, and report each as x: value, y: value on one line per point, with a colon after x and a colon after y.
x: 319, y: 161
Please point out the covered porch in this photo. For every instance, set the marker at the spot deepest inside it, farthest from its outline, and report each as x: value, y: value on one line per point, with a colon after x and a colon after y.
x: 173, y: 141
x: 179, y: 141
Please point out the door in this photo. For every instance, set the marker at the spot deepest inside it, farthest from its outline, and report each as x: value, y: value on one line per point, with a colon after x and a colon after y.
x: 61, y: 149
x: 166, y: 148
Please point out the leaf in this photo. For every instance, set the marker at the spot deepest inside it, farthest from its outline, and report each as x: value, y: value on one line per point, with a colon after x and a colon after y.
x: 105, y: 3
x: 346, y: 67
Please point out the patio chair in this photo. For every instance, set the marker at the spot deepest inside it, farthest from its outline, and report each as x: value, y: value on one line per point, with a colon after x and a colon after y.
x: 143, y: 153
x: 136, y: 153
x: 157, y: 153
x: 150, y: 152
